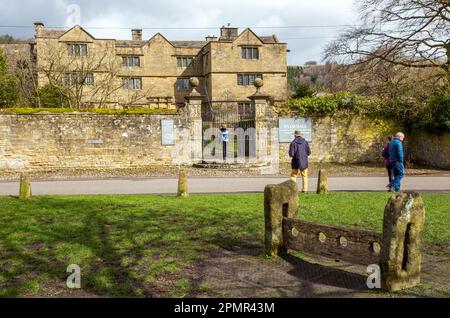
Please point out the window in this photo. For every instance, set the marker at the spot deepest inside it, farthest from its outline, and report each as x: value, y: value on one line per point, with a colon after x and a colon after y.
x: 132, y: 83
x: 78, y: 79
x: 184, y: 61
x: 89, y: 79
x: 131, y: 61
x: 77, y: 49
x: 250, y: 53
x: 247, y: 79
x: 183, y: 84
x: 245, y: 109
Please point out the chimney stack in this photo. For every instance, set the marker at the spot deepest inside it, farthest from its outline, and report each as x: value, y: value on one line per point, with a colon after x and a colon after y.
x: 228, y: 33
x: 136, y: 34
x: 38, y: 26
x: 210, y: 38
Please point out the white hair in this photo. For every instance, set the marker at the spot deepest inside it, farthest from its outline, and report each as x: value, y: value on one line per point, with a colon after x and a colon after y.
x: 400, y: 135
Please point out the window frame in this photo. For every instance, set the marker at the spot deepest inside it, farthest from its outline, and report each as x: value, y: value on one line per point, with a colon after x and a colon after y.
x: 77, y: 78
x: 182, y: 88
x: 250, y: 53
x: 182, y: 61
x: 134, y: 59
x: 130, y: 83
x: 89, y: 79
x: 77, y: 49
x: 248, y: 79
x: 245, y: 109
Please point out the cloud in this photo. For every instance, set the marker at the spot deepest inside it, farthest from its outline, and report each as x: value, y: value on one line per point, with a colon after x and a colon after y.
x: 194, y: 14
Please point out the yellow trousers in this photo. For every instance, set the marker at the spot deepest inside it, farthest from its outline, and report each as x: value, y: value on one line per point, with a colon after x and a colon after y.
x: 304, y: 174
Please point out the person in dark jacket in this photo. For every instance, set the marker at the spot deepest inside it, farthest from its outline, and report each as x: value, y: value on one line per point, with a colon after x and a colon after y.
x: 396, y: 159
x: 299, y: 152
x: 387, y: 163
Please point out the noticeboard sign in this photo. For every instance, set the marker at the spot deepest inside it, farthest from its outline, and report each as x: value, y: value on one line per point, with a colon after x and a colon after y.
x: 287, y: 127
x: 167, y: 132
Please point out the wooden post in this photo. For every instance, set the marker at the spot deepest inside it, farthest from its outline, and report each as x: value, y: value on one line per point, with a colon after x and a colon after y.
x: 182, y: 184
x: 24, y: 188
x: 322, y: 183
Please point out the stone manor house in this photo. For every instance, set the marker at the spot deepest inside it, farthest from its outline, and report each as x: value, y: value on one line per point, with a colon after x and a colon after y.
x: 155, y: 73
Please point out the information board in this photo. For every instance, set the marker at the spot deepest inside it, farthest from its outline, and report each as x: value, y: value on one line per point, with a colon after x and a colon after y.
x: 287, y: 127
x: 167, y: 132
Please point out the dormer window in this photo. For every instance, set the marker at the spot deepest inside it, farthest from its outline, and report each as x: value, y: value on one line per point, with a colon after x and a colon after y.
x: 75, y: 49
x: 250, y: 53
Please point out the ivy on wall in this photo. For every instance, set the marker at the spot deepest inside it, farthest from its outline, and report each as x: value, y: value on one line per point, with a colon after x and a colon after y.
x: 432, y: 115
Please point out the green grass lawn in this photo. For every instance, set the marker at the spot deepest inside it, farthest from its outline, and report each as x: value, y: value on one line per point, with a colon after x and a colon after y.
x: 134, y: 245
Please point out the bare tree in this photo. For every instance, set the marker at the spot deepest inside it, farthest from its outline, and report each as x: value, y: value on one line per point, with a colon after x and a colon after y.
x: 25, y: 72
x: 385, y: 80
x: 409, y: 33
x: 83, y: 80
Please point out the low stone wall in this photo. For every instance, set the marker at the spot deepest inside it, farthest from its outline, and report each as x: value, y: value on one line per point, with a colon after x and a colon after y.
x: 42, y: 142
x: 58, y: 141
x: 431, y: 149
x: 348, y: 140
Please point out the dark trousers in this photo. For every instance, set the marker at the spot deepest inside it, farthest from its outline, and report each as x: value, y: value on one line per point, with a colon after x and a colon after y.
x: 399, y: 173
x: 390, y: 172
x: 224, y: 150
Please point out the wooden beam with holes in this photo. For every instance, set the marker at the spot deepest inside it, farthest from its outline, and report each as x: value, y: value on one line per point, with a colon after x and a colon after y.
x: 340, y: 243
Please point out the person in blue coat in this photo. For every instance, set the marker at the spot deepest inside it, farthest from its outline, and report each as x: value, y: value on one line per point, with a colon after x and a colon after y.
x: 396, y: 158
x: 299, y: 152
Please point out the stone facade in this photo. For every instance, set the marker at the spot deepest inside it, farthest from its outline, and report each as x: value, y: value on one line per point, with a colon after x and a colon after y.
x: 162, y: 67
x: 18, y: 53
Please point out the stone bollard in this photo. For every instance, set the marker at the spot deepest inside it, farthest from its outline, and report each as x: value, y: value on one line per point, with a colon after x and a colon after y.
x: 400, y: 255
x: 280, y: 200
x: 322, y: 182
x: 24, y: 188
x: 182, y: 184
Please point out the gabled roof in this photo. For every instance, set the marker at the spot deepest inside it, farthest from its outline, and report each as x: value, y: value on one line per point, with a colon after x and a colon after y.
x: 56, y: 34
x: 249, y: 30
x: 78, y: 27
x: 159, y: 34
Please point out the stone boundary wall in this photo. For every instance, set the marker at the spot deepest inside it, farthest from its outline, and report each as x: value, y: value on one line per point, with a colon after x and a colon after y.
x: 431, y: 149
x: 58, y: 141
x: 346, y: 140
x: 40, y: 142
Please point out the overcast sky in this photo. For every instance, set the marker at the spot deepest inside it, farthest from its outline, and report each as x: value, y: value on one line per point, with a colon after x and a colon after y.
x: 102, y: 15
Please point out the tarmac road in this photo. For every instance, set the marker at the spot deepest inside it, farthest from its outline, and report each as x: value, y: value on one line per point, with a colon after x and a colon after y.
x: 217, y: 185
